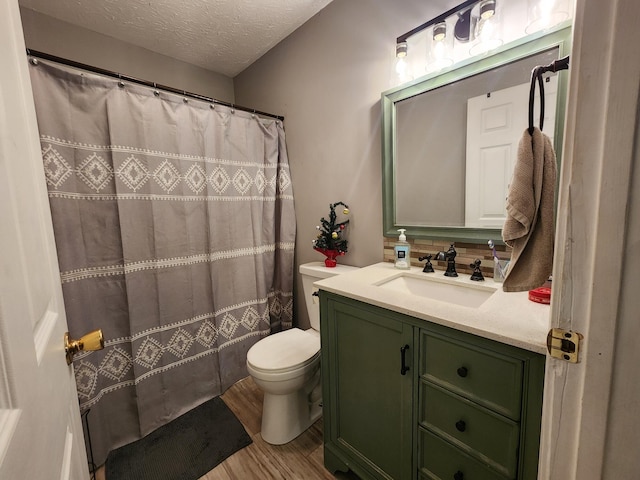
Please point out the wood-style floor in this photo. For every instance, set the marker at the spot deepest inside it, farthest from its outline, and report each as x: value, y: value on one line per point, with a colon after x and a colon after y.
x: 300, y: 459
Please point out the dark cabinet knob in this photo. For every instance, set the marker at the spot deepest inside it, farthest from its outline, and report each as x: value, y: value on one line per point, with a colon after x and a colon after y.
x: 461, y: 426
x: 458, y: 475
x: 462, y: 372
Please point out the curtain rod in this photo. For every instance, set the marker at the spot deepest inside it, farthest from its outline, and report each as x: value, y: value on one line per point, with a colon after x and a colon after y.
x: 109, y: 73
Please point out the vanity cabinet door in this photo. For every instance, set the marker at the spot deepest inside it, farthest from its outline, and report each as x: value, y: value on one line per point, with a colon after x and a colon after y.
x: 367, y: 394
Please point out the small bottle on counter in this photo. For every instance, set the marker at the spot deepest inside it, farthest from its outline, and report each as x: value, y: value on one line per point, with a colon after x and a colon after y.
x: 402, y: 252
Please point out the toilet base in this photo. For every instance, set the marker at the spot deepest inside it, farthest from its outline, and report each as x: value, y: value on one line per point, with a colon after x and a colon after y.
x: 284, y: 417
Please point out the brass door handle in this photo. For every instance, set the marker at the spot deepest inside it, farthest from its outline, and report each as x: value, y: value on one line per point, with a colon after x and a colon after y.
x: 91, y: 341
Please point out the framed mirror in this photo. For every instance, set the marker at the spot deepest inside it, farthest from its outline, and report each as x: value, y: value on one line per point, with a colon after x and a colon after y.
x: 441, y: 179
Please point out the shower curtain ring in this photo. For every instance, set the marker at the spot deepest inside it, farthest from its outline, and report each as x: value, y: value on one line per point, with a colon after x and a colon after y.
x: 32, y: 60
x: 155, y: 90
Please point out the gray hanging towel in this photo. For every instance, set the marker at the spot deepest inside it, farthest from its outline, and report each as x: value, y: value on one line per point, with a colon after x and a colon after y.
x: 530, y: 225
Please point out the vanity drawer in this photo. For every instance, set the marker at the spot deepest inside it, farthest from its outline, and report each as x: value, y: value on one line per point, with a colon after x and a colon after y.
x: 439, y: 460
x: 482, y: 375
x: 492, y: 436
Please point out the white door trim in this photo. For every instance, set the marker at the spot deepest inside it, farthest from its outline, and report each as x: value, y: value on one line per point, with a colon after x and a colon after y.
x: 598, y: 156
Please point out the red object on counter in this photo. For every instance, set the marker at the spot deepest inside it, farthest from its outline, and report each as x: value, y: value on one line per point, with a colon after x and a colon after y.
x: 540, y: 295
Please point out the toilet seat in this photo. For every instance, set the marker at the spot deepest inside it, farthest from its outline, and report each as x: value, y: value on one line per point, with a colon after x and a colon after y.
x: 285, y: 351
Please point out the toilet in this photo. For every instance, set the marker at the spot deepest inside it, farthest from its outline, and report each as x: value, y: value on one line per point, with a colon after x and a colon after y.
x: 286, y: 366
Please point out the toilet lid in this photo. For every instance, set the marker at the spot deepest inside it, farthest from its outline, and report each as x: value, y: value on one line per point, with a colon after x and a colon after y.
x: 284, y: 350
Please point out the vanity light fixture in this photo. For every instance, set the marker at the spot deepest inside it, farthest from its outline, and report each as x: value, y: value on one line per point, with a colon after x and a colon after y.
x: 471, y: 21
x: 440, y: 20
x: 474, y: 27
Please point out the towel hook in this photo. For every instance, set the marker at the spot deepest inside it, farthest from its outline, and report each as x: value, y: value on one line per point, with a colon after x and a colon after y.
x: 536, y: 75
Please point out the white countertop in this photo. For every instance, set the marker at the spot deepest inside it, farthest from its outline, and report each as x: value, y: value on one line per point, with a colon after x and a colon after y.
x: 509, y: 318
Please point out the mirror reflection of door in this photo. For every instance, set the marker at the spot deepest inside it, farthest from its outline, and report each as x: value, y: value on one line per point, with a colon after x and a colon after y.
x: 494, y: 129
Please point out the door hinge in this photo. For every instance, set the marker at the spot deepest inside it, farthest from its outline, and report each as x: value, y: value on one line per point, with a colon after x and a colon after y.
x: 564, y: 344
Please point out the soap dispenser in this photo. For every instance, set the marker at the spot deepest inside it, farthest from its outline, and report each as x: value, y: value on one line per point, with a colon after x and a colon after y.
x: 402, y: 252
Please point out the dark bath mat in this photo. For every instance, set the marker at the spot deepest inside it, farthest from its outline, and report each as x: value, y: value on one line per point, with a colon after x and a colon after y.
x: 184, y: 449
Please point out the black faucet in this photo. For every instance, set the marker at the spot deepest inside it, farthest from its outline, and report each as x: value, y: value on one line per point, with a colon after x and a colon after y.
x: 477, y: 273
x: 428, y: 267
x: 450, y: 257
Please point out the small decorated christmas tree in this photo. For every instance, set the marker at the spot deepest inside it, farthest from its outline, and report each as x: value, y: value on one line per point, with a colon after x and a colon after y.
x: 330, y: 240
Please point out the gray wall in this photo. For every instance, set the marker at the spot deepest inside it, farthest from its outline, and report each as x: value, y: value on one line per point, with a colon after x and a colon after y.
x: 326, y: 79
x: 62, y: 39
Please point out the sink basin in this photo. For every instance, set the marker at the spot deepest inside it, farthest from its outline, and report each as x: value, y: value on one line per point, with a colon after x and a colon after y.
x: 439, y: 289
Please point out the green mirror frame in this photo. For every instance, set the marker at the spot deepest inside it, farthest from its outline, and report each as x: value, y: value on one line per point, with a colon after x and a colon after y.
x: 525, y: 47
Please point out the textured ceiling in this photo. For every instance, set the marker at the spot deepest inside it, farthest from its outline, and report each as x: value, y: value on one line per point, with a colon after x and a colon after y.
x: 224, y: 36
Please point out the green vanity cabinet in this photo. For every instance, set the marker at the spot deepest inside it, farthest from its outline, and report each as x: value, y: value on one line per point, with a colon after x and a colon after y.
x: 462, y: 408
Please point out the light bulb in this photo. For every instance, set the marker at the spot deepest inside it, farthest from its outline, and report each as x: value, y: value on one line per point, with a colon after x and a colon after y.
x: 401, y: 66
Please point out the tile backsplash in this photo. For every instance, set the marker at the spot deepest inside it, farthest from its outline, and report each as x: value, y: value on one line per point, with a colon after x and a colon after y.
x: 467, y: 254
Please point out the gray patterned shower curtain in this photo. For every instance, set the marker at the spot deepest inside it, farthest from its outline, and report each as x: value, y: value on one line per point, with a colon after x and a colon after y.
x: 174, y: 224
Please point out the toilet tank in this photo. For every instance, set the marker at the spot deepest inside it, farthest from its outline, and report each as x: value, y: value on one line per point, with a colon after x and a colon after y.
x: 313, y: 272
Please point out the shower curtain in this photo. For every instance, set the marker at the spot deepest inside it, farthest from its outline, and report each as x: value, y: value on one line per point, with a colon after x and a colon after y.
x: 174, y: 224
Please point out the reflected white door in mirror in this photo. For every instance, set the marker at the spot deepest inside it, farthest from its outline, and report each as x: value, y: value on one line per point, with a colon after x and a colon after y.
x: 494, y: 129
